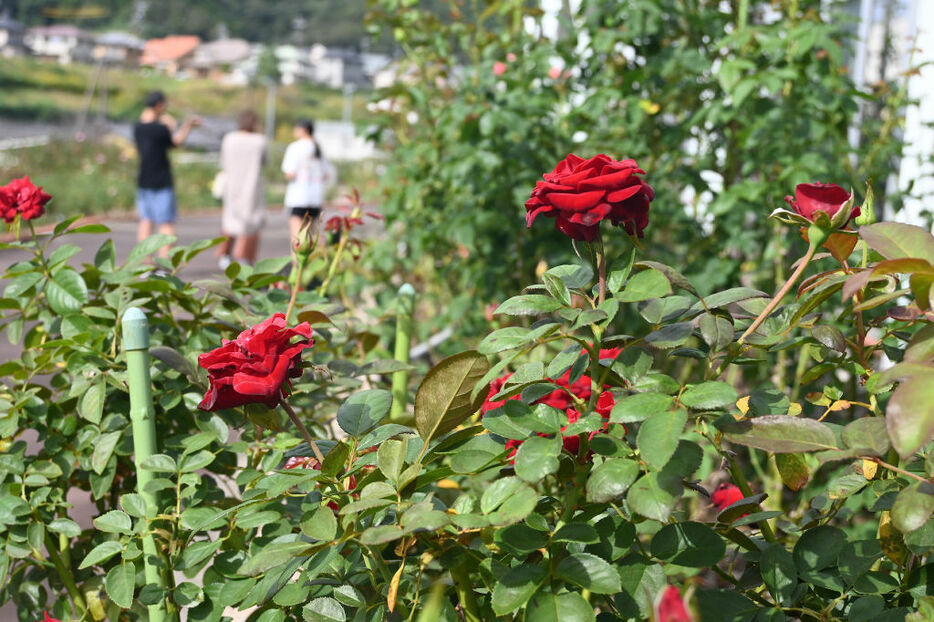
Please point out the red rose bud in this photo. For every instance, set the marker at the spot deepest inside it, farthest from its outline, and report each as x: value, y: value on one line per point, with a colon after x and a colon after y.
x: 814, y: 202
x: 253, y: 368
x: 726, y: 495
x: 48, y: 618
x: 671, y: 607
x: 21, y: 197
x: 499, y: 68
x: 580, y: 193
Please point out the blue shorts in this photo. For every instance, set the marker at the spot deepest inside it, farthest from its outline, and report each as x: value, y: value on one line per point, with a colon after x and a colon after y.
x: 156, y: 204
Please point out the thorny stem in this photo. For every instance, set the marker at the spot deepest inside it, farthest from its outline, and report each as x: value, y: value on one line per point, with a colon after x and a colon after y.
x: 65, y: 575
x: 781, y: 293
x: 301, y: 428
x: 601, y: 270
x: 345, y: 236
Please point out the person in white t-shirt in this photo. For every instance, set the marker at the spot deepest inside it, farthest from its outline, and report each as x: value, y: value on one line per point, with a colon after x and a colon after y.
x: 309, y: 175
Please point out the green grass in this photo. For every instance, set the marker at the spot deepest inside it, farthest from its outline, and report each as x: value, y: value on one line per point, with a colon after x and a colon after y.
x: 36, y: 89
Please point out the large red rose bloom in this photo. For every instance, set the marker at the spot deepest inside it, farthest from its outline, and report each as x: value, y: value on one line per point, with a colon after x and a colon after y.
x: 253, y: 368
x: 580, y: 193
x: 22, y: 197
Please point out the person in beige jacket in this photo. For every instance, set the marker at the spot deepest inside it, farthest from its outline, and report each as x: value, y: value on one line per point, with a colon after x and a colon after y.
x: 243, y: 153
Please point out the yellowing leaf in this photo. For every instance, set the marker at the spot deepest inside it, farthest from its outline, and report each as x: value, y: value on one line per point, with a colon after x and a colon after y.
x: 743, y: 405
x: 869, y: 469
x: 649, y: 107
x: 890, y: 539
x: 394, y: 587
x: 448, y: 483
x: 794, y: 409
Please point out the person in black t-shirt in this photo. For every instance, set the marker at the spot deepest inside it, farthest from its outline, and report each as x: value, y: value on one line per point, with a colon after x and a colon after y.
x: 155, y: 134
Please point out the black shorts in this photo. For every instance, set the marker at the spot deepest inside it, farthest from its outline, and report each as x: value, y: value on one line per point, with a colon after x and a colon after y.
x: 301, y: 212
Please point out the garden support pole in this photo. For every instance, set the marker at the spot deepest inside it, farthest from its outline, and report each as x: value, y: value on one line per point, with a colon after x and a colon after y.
x: 400, y: 380
x: 136, y: 346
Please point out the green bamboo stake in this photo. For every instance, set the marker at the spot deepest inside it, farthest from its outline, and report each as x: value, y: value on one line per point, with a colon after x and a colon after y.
x: 136, y: 346
x: 400, y: 380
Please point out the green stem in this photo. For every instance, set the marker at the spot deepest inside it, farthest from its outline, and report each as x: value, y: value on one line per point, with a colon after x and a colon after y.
x: 740, y: 479
x: 65, y: 575
x: 781, y: 293
x: 299, y: 269
x: 345, y: 235
x: 304, y: 431
x: 465, y: 594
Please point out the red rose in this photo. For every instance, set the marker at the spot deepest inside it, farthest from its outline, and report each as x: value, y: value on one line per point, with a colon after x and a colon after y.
x: 499, y: 68
x: 580, y: 193
x: 726, y: 495
x: 253, y: 368
x: 22, y: 197
x: 812, y: 198
x: 671, y: 608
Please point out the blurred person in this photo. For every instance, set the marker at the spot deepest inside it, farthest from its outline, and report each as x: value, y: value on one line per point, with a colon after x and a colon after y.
x: 309, y: 175
x: 154, y: 134
x: 243, y: 153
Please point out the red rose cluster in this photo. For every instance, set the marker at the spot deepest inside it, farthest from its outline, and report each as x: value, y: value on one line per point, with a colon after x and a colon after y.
x: 580, y: 193
x: 562, y: 400
x: 253, y: 368
x: 21, y: 197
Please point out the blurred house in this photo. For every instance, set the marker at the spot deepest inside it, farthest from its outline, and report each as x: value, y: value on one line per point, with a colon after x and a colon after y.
x: 119, y: 49
x: 61, y: 42
x: 218, y: 59
x: 292, y: 63
x: 170, y: 55
x: 336, y: 67
x: 11, y: 37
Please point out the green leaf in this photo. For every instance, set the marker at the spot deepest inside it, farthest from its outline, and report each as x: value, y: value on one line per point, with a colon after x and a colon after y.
x: 658, y: 436
x: 515, y: 588
x: 104, y: 449
x: 120, y: 583
x: 101, y: 553
x: 148, y: 247
x: 867, y: 434
x: 529, y: 304
x: 91, y: 404
x: 274, y: 555
x: 728, y: 297
x: 443, y: 399
x: 113, y: 521
x: 670, y: 336
x: 320, y: 524
x: 709, y: 396
x: 537, y: 457
x: 674, y: 277
x: 508, y: 500
x: 654, y: 496
x: 895, y: 240
x: 159, y: 463
x: 573, y: 275
x: 503, y: 339
x: 363, y: 411
x: 66, y: 527
x: 818, y: 548
x: 589, y: 572
x: 688, y: 544
x: 390, y: 458
x: 716, y: 330
x: 175, y: 360
x: 645, y: 285
x: 66, y: 291
x: 793, y: 469
x: 913, y: 506
x: 639, y: 407
x: 576, y: 532
x: 909, y: 415
x: 781, y: 434
x: 611, y: 480
x: 779, y: 573
x: 557, y: 288
x: 324, y: 609
x: 566, y: 607
x: 381, y: 535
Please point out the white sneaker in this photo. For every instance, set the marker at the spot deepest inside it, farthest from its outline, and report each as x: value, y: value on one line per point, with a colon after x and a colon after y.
x: 224, y: 261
